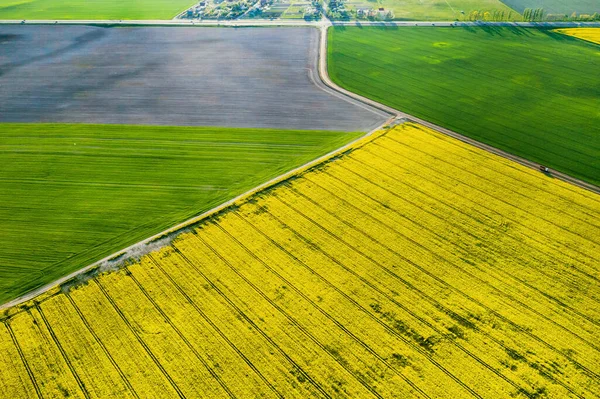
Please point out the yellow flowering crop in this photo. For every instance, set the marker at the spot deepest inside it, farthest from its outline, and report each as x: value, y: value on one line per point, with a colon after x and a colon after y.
x: 589, y: 34
x: 412, y: 266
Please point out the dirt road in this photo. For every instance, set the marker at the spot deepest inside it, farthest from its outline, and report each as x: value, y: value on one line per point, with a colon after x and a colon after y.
x: 323, y: 80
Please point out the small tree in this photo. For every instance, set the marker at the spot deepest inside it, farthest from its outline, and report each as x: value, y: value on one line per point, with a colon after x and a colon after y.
x: 540, y: 16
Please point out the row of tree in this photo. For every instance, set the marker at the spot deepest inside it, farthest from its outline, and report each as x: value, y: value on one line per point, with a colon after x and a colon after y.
x: 574, y: 17
x: 495, y: 15
x: 534, y: 15
x: 529, y: 15
x: 538, y: 15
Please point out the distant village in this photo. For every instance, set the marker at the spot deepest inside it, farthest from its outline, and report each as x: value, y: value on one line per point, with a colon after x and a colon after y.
x: 337, y: 10
x: 272, y: 9
x: 343, y: 10
x: 238, y: 9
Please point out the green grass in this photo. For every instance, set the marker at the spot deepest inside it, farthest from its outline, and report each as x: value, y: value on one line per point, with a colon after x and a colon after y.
x: 434, y: 10
x: 533, y: 93
x: 92, y: 9
x: 73, y: 194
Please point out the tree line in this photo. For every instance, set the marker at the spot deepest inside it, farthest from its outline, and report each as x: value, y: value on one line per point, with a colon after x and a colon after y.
x: 529, y: 15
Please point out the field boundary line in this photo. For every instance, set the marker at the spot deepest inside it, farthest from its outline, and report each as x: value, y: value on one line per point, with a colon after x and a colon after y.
x: 458, y: 290
x: 449, y: 261
x: 433, y: 171
x: 467, y: 216
x: 160, y: 239
x: 414, y: 149
x: 561, y: 31
x: 401, y: 117
x: 396, y: 117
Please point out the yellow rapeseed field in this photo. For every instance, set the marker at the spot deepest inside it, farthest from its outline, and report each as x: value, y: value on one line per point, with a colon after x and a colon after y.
x: 589, y: 34
x: 413, y: 265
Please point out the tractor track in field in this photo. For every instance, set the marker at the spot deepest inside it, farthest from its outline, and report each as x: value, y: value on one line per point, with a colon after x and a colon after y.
x: 320, y: 77
x: 163, y: 238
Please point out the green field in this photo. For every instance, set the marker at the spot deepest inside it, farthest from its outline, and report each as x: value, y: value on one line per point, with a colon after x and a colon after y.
x: 534, y: 93
x: 94, y: 9
x: 557, y: 6
x: 73, y: 194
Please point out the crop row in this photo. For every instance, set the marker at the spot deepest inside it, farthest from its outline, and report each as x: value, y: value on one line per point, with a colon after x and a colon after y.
x: 413, y: 266
x: 526, y: 91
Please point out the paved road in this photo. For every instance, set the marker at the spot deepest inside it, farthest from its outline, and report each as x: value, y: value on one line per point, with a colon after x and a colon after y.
x: 294, y: 22
x: 400, y: 117
x: 323, y: 80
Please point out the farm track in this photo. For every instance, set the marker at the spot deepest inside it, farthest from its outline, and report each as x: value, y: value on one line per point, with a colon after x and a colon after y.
x: 320, y: 269
x: 362, y: 276
x: 320, y: 78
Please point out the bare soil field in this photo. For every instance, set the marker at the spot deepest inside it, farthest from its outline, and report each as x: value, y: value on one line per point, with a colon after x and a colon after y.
x: 185, y: 76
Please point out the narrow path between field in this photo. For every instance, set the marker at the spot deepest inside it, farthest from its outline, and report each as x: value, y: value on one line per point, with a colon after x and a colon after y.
x: 395, y: 117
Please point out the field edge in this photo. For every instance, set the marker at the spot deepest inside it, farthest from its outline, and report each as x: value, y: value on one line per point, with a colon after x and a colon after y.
x: 133, y: 252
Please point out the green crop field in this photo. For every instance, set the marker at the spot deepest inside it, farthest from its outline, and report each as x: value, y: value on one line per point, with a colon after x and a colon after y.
x: 73, y: 194
x: 95, y: 9
x: 557, y: 6
x: 534, y: 93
